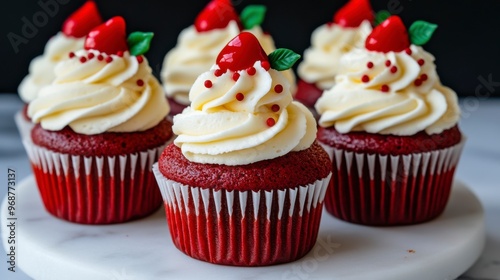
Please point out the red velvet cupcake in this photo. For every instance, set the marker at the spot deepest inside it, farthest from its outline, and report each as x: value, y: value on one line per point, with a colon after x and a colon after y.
x: 100, y: 127
x: 41, y: 69
x: 348, y: 30
x: 390, y: 127
x: 199, y: 44
x: 244, y: 181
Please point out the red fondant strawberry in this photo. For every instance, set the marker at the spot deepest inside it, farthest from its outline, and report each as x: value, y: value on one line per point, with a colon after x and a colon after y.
x: 217, y: 14
x: 241, y: 53
x: 390, y: 35
x: 353, y: 13
x: 109, y: 37
x: 79, y: 23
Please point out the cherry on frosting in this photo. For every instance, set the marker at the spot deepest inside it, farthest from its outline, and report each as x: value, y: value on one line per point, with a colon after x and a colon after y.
x: 389, y: 36
x: 354, y: 13
x: 80, y: 22
x: 109, y: 37
x: 217, y: 14
x: 241, y: 53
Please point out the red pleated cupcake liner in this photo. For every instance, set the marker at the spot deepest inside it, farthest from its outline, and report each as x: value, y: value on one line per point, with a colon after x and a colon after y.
x: 384, y: 190
x: 243, y: 228
x: 96, y: 190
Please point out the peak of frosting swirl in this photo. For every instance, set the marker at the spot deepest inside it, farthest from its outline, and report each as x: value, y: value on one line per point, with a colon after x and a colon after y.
x: 243, y: 118
x: 195, y: 53
x: 41, y: 69
x: 395, y: 93
x: 95, y: 93
x: 328, y: 43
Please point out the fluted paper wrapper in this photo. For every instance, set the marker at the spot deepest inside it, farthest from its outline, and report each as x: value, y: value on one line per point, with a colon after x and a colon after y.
x: 24, y: 125
x: 96, y: 190
x: 244, y: 228
x: 385, y: 190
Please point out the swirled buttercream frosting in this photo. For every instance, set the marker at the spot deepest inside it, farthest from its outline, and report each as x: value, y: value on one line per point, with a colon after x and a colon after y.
x: 241, y: 117
x: 328, y: 43
x: 395, y: 93
x: 41, y: 69
x: 94, y: 93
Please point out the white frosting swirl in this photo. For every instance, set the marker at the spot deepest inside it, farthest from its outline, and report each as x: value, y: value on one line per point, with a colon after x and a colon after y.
x: 195, y: 53
x: 328, y: 43
x: 219, y: 129
x: 415, y: 99
x: 97, y: 96
x: 267, y: 43
x: 41, y: 69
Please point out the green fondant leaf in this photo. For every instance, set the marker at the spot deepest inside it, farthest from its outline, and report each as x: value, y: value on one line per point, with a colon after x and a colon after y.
x: 421, y: 32
x: 138, y: 42
x: 381, y: 16
x: 283, y: 59
x: 252, y: 15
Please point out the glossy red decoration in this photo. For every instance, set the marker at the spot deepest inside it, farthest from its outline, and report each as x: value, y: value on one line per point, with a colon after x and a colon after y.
x: 217, y: 14
x: 353, y: 13
x: 109, y: 37
x: 80, y: 22
x: 241, y: 53
x: 390, y: 36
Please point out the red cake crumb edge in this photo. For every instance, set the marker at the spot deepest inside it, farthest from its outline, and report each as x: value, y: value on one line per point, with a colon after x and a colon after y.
x: 67, y: 141
x: 291, y: 170
x: 363, y: 142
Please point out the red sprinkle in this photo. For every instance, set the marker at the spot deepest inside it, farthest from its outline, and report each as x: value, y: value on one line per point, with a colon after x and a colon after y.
x: 240, y: 96
x: 218, y: 72
x: 384, y: 88
x: 369, y: 64
x: 275, y: 107
x: 91, y: 55
x: 423, y: 77
x: 236, y: 76
x: 421, y: 62
x: 208, y: 84
x: 365, y: 79
x: 418, y: 82
x: 83, y: 59
x: 278, y: 88
x: 408, y: 51
x: 265, y: 65
x: 109, y: 59
x: 119, y: 53
x: 387, y: 63
x: 140, y: 82
x: 139, y: 58
x: 100, y: 57
x: 270, y: 122
x: 251, y: 71
x: 394, y: 69
x: 71, y: 54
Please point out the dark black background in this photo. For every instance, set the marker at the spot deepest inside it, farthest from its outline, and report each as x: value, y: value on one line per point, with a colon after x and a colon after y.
x: 466, y: 44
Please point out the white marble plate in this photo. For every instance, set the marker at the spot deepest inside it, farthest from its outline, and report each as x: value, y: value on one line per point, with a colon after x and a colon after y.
x: 50, y: 248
